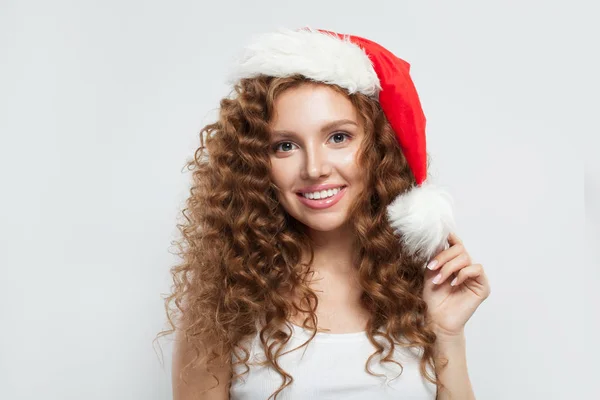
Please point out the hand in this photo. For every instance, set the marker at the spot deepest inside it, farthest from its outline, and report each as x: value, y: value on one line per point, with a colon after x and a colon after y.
x: 461, y: 288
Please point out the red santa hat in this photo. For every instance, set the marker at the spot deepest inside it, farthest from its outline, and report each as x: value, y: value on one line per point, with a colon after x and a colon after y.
x: 421, y: 217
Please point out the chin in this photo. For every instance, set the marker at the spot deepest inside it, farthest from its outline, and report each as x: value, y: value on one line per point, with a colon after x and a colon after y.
x: 324, y: 224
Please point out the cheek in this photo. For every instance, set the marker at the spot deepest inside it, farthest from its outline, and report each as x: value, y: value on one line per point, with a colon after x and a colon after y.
x: 347, y: 164
x: 281, y: 174
x: 349, y: 158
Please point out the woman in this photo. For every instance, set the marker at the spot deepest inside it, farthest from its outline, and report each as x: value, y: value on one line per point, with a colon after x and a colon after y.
x: 307, y: 229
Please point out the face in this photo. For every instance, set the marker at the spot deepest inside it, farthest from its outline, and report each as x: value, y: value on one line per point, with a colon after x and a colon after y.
x: 315, y: 140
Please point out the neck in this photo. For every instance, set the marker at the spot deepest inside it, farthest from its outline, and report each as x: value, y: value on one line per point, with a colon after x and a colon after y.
x: 334, y: 251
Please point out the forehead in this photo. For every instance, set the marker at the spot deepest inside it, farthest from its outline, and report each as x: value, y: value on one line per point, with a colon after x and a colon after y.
x: 311, y: 105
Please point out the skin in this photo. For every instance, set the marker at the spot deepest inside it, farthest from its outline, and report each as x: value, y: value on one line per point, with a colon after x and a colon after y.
x: 309, y: 152
x: 306, y: 151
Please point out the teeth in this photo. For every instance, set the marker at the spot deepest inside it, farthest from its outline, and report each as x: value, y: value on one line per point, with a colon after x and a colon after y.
x: 323, y: 194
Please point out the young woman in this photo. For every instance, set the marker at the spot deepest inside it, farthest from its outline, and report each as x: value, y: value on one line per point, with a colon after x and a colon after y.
x: 306, y: 235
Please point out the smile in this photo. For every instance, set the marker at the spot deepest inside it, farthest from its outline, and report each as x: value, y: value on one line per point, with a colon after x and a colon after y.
x: 323, y: 199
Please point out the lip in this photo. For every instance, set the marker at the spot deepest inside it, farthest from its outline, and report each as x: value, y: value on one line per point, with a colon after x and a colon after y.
x: 318, y: 188
x: 325, y: 203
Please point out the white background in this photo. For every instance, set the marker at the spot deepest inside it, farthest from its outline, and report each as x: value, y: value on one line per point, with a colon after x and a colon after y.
x: 101, y: 103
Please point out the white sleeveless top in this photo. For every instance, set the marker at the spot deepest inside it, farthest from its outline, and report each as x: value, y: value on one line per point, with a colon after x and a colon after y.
x: 332, y: 366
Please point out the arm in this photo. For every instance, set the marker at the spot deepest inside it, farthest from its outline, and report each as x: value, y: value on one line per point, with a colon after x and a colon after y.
x: 454, y: 376
x: 196, y: 378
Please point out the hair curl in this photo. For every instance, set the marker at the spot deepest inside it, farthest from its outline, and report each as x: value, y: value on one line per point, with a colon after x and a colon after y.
x: 241, y: 251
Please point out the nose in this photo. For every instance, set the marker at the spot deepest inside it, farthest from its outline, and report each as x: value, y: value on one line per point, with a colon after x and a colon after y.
x: 316, y: 164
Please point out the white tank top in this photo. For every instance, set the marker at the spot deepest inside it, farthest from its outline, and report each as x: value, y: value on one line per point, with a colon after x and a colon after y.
x: 332, y: 366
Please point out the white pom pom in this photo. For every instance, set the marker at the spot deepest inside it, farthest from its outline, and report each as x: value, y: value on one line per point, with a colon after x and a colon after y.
x: 423, y: 219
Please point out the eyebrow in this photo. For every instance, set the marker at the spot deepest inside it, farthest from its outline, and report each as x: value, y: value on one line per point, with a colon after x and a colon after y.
x: 327, y: 127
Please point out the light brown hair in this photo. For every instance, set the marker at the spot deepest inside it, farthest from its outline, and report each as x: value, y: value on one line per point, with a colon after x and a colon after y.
x: 241, y: 251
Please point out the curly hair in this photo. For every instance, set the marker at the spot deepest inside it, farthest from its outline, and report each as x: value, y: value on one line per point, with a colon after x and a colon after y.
x: 241, y: 251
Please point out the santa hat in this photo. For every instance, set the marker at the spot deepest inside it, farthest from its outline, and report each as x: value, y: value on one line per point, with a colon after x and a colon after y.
x: 422, y: 216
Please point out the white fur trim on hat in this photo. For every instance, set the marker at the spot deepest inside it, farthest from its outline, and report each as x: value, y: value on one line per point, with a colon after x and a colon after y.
x: 318, y: 56
x: 423, y: 219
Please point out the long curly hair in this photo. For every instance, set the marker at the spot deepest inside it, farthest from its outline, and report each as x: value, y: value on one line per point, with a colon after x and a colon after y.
x: 241, y: 251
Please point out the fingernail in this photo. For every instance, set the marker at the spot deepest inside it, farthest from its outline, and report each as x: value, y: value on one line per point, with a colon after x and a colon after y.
x: 437, y: 278
x: 432, y: 264
x: 453, y: 282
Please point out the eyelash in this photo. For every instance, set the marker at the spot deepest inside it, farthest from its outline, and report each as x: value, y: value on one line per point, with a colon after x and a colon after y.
x: 276, y: 146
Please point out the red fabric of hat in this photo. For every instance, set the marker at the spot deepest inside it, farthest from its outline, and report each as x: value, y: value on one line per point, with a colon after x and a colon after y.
x: 400, y: 102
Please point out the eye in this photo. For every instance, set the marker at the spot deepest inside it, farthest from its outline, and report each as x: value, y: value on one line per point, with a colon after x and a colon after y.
x: 339, y: 135
x: 286, y: 147
x: 286, y: 144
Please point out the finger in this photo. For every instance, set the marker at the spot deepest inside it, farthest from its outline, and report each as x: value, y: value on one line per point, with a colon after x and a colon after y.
x: 454, y: 239
x: 445, y: 256
x: 472, y: 271
x: 452, y: 266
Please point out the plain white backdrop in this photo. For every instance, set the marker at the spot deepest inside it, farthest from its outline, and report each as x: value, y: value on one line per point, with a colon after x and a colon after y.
x: 101, y: 103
